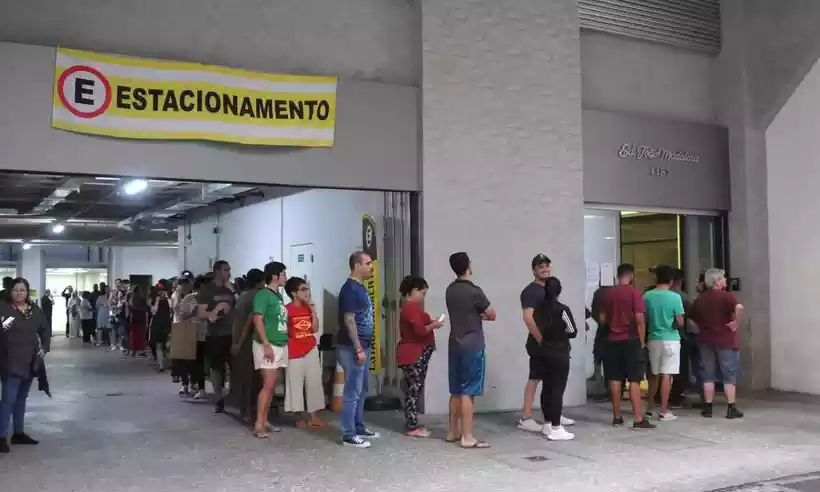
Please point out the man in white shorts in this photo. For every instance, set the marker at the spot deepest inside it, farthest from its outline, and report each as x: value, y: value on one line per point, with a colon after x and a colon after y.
x: 270, y: 340
x: 664, y: 313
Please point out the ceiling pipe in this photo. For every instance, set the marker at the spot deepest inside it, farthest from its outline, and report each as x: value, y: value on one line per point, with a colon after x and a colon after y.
x: 45, y: 242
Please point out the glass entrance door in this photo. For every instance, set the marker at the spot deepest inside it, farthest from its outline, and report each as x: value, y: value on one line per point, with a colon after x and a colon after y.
x: 646, y: 239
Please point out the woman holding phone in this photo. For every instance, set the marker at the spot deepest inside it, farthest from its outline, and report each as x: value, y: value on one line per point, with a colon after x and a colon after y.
x: 416, y: 345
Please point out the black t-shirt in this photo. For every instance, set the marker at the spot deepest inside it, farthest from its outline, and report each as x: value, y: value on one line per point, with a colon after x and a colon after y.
x: 532, y: 295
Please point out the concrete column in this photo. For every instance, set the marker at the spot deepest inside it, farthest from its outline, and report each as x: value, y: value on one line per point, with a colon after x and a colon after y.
x: 502, y: 178
x: 748, y: 220
x: 33, y: 270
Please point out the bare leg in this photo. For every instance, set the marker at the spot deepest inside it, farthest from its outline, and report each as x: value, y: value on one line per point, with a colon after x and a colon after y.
x: 730, y: 391
x: 616, y: 392
x: 454, y: 431
x: 709, y: 392
x: 666, y: 388
x: 264, y: 400
x: 653, y: 390
x: 637, y: 403
x: 529, y: 396
x: 467, y: 408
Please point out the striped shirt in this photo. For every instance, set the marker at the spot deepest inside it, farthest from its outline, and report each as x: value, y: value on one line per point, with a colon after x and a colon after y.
x: 187, y: 311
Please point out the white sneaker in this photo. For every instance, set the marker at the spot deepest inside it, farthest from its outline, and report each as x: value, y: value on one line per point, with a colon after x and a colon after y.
x: 530, y: 425
x: 667, y: 417
x: 200, y: 395
x: 558, y: 433
x: 183, y: 391
x: 356, y: 442
x: 566, y: 422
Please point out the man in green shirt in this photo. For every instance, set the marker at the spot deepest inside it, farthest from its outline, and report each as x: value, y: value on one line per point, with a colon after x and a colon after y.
x: 664, y: 312
x: 270, y: 340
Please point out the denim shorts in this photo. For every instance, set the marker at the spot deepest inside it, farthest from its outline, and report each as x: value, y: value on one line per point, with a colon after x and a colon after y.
x: 720, y: 364
x: 466, y: 372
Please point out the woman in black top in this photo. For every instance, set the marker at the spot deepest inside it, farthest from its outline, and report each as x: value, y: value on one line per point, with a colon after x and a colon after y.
x: 557, y: 327
x: 24, y: 340
x: 160, y: 327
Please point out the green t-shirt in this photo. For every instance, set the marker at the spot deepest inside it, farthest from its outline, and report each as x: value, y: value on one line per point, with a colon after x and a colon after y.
x: 274, y: 316
x: 662, y: 306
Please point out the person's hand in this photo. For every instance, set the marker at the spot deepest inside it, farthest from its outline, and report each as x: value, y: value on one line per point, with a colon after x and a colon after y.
x: 235, y: 348
x: 41, y: 353
x: 360, y: 356
x: 269, y: 354
x: 732, y: 325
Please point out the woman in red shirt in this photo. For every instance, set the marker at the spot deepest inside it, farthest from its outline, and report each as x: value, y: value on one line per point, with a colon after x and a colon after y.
x: 416, y: 345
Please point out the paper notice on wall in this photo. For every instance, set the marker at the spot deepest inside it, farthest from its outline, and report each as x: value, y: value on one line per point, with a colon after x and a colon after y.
x: 607, y: 274
x: 592, y: 274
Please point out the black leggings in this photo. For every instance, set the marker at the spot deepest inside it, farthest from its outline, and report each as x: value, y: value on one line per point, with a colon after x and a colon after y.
x: 88, y: 329
x: 554, y: 383
x: 192, y: 371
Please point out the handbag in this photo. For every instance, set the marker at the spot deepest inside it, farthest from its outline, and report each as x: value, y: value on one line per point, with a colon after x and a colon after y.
x: 183, y: 340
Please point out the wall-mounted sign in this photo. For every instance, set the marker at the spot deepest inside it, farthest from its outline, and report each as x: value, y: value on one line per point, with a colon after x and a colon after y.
x: 139, y: 98
x: 645, y: 152
x: 638, y: 161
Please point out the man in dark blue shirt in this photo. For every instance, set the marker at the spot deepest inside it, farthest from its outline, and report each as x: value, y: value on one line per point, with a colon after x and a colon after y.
x: 353, y: 349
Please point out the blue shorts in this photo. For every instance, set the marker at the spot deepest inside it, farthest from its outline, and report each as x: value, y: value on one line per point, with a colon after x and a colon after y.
x: 466, y: 371
x: 719, y: 362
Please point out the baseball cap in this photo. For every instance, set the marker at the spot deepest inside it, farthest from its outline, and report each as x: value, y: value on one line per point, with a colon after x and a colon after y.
x: 186, y: 276
x: 540, y: 259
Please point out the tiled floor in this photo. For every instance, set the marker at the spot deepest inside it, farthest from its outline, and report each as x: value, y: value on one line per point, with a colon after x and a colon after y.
x: 116, y: 425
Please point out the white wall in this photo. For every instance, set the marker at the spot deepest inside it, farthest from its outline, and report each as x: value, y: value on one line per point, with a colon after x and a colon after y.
x: 793, y: 173
x: 144, y: 260
x: 252, y: 236
x: 623, y: 74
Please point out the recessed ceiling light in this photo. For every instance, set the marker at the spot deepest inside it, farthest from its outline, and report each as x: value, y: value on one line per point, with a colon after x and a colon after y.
x: 58, y: 228
x: 609, y: 238
x: 26, y: 246
x: 135, y: 186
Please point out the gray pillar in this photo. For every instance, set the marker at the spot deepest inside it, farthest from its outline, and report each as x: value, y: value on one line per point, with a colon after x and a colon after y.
x: 502, y: 175
x: 748, y: 220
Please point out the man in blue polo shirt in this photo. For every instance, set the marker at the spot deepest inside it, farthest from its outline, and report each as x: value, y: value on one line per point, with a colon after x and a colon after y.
x: 353, y: 344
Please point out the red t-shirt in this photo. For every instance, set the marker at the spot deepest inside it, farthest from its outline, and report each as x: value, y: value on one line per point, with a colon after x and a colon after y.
x: 621, y: 305
x: 712, y: 311
x: 414, y: 337
x: 301, y: 338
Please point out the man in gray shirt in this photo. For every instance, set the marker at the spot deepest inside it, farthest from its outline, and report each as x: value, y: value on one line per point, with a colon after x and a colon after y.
x: 216, y: 301
x: 468, y: 308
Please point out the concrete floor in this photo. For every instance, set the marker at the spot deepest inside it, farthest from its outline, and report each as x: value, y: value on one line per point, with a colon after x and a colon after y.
x: 114, y: 424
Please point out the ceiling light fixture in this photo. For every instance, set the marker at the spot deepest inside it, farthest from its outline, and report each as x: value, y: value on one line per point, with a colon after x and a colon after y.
x: 58, y: 228
x: 135, y: 186
x: 26, y: 245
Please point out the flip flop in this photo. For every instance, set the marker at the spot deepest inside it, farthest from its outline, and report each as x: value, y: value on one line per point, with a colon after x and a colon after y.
x: 317, y: 424
x: 260, y: 434
x: 301, y: 424
x: 475, y: 445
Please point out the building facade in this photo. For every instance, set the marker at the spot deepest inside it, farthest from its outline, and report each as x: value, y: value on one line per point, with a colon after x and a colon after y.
x: 507, y: 119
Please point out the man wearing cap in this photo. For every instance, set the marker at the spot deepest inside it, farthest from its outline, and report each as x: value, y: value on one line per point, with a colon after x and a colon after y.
x: 532, y: 295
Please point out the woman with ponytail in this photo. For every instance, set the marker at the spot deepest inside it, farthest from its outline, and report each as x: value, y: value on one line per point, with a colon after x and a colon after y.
x: 416, y: 345
x: 557, y: 327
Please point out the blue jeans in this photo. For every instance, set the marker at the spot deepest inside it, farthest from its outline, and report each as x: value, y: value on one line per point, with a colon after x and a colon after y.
x: 352, y: 418
x: 13, y: 404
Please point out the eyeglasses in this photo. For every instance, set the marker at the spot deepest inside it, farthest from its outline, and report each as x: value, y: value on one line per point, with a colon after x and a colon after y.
x: 304, y: 289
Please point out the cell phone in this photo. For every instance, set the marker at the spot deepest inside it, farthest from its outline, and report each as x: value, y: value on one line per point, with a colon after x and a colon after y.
x: 442, y: 318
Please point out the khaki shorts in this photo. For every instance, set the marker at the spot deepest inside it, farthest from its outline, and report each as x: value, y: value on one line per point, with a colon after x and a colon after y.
x: 664, y: 356
x: 280, y: 357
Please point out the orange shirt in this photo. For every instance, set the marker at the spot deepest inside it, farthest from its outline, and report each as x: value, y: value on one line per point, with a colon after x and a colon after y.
x: 301, y: 338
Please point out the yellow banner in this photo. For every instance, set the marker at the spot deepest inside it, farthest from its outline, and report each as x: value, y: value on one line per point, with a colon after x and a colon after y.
x: 153, y: 99
x: 374, y: 289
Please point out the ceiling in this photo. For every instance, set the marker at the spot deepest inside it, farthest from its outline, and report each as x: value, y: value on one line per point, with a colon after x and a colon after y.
x: 96, y: 209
